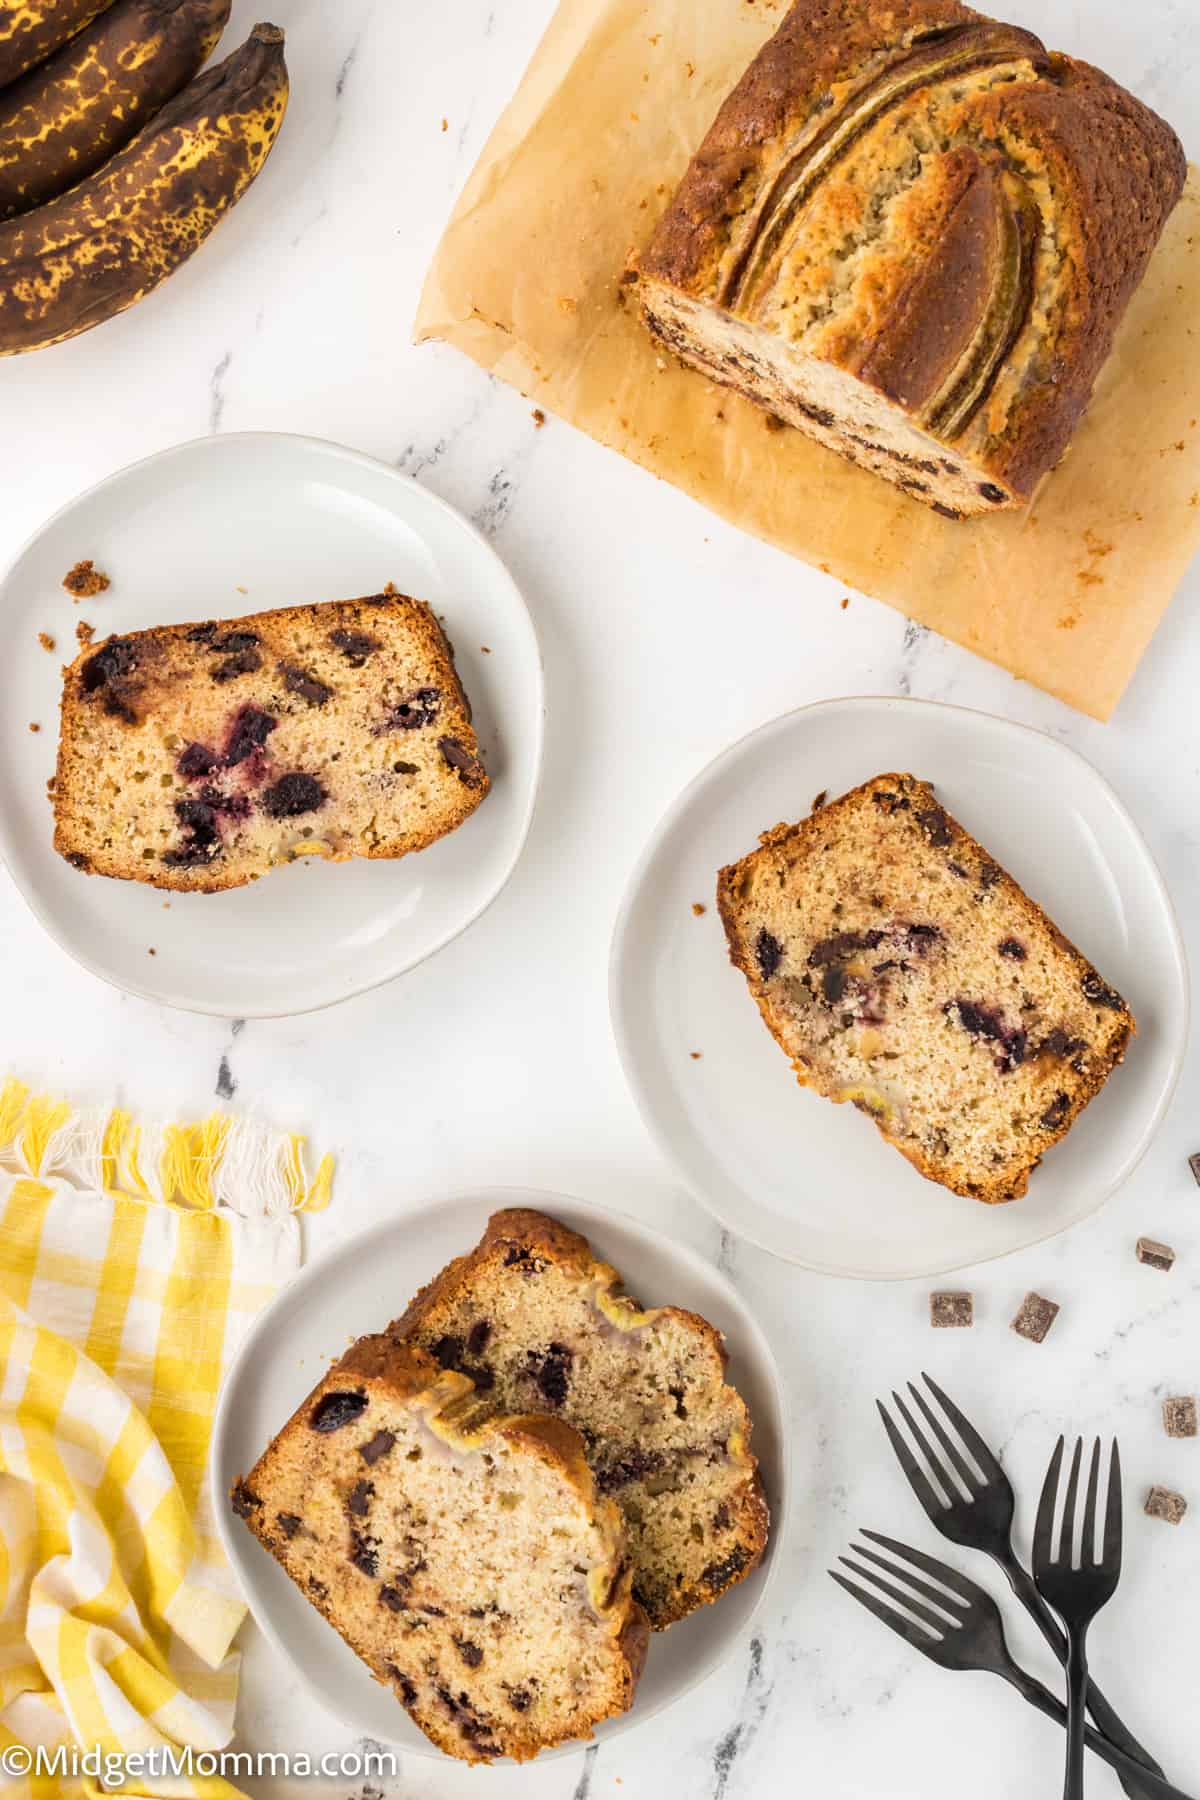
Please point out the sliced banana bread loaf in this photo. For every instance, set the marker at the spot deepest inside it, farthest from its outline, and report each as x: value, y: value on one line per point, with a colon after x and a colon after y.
x: 912, y: 232
x: 900, y: 968
x: 464, y: 1555
x: 198, y: 757
x: 539, y: 1324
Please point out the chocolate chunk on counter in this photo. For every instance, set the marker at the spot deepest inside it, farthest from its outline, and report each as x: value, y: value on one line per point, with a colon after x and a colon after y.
x: 1154, y: 1254
x: 1035, y: 1317
x: 1179, y: 1416
x: 1161, y: 1503
x: 951, y: 1310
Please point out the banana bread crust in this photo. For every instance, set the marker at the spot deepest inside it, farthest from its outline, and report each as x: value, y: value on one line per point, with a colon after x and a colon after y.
x: 1105, y: 169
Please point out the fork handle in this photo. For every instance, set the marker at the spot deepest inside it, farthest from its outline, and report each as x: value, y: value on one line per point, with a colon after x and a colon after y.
x: 1077, y: 1681
x: 1117, y: 1733
x: 1156, y: 1787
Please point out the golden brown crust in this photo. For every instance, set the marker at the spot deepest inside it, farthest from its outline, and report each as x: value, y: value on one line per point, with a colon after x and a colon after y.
x: 953, y: 845
x: 1100, y: 168
x: 123, y: 698
x: 518, y: 1234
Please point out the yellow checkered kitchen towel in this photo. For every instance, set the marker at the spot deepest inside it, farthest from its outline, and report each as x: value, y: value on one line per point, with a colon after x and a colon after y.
x: 132, y: 1258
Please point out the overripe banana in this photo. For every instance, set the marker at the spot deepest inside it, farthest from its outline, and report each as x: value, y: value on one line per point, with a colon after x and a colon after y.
x: 31, y: 29
x: 107, y: 243
x: 69, y: 115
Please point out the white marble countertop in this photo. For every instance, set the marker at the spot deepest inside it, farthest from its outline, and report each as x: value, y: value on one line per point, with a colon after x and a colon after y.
x: 666, y: 634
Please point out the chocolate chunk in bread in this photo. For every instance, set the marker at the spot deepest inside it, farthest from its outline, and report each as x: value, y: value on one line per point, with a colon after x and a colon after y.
x: 532, y: 1313
x: 877, y: 940
x: 475, y: 1569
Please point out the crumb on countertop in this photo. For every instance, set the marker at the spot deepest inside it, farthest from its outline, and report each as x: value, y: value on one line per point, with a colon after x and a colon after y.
x: 46, y: 641
x: 486, y: 648
x: 34, y: 726
x: 445, y: 124
x: 845, y: 602
x: 84, y: 632
x: 699, y: 908
x: 151, y: 952
x: 538, y: 417
x: 241, y: 589
x: 85, y: 580
x: 695, y: 1055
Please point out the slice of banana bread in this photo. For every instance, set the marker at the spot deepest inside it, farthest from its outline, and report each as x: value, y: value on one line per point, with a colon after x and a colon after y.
x: 538, y: 1323
x: 463, y: 1555
x: 198, y: 757
x: 900, y: 968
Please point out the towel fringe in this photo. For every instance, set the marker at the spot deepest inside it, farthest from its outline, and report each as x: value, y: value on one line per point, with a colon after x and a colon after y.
x: 219, y: 1164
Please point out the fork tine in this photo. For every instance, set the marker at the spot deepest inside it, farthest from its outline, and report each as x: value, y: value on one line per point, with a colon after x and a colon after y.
x: 967, y: 1474
x: 902, y: 1597
x: 912, y: 1634
x: 1087, y: 1545
x: 927, y: 1450
x: 1044, y: 1528
x: 1066, y: 1542
x: 951, y: 1603
x: 940, y: 1571
x: 917, y: 1479
x: 984, y: 1456
x: 1112, y: 1516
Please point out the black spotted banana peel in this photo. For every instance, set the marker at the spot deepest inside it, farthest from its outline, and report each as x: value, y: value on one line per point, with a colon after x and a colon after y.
x: 84, y: 103
x: 31, y: 29
x: 106, y: 244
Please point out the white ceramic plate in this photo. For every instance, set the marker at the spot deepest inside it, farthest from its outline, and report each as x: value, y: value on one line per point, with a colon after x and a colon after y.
x: 816, y: 1183
x: 367, y: 1282
x: 289, y: 520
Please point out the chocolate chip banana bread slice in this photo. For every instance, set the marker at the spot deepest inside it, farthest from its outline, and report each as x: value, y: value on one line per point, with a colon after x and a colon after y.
x: 912, y: 232
x: 199, y: 757
x: 464, y: 1555
x: 538, y: 1323
x: 900, y: 968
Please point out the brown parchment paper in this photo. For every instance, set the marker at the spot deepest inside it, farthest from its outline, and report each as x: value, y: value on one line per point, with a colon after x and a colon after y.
x: 526, y: 281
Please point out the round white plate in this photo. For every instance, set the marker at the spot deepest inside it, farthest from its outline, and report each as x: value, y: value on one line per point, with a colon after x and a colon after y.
x: 363, y: 1285
x: 216, y: 529
x: 815, y: 1183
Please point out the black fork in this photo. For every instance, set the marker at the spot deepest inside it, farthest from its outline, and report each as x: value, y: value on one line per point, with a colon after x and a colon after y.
x: 1077, y: 1594
x: 958, y: 1626
x: 982, y: 1519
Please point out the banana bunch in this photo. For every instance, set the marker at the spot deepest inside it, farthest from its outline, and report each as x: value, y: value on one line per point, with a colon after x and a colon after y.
x: 92, y: 216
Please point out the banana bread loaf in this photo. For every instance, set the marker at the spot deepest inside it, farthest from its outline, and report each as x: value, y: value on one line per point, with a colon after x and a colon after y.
x: 912, y: 232
x: 463, y: 1555
x: 198, y: 757
x: 900, y: 968
x: 540, y: 1325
